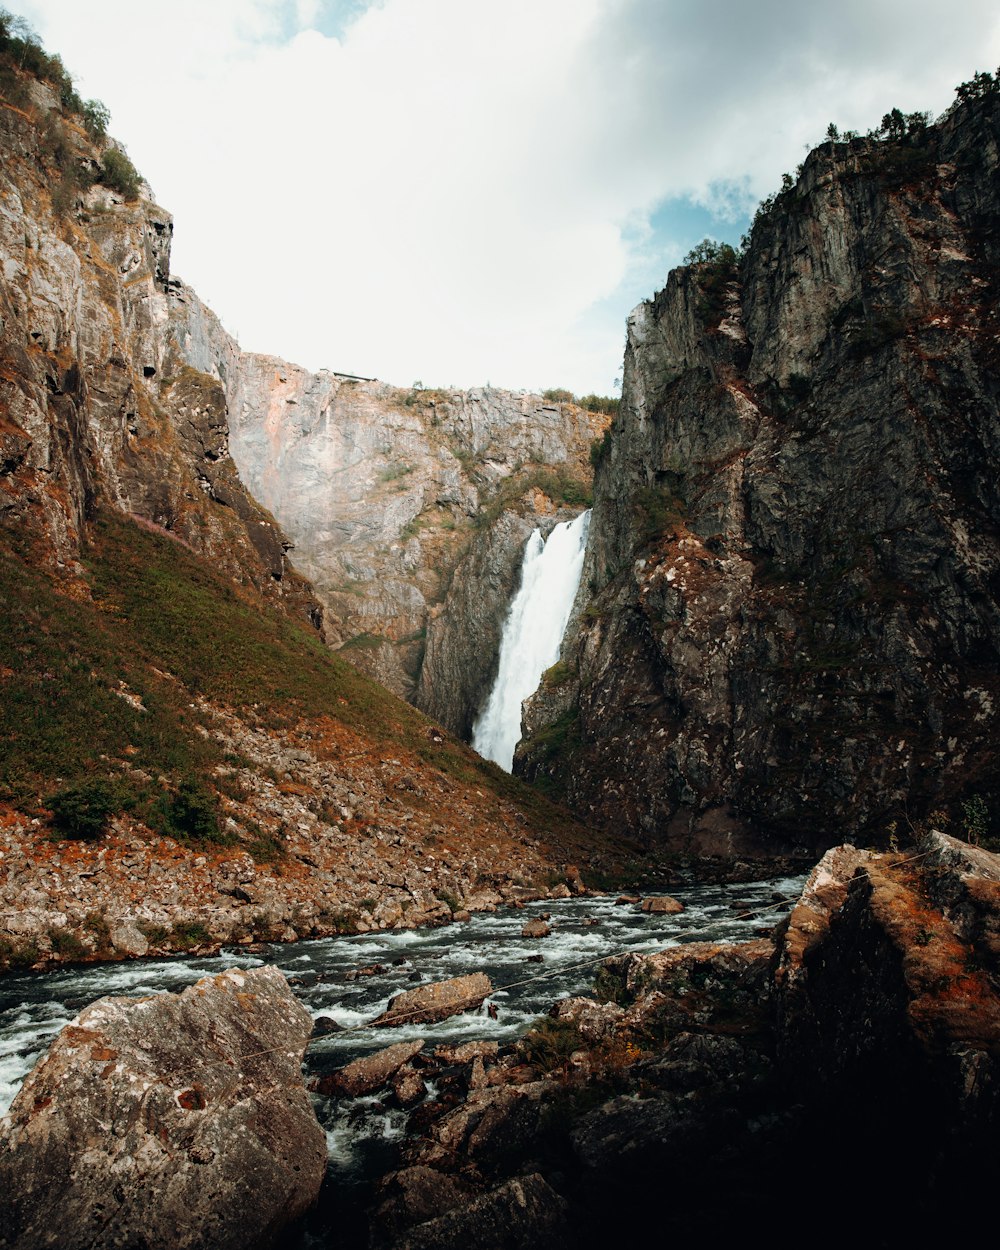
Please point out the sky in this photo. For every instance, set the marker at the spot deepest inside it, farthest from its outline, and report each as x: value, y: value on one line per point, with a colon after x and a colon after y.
x: 463, y: 192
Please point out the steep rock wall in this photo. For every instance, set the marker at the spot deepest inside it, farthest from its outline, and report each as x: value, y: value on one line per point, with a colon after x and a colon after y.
x: 792, y: 619
x: 409, y: 509
x: 90, y: 414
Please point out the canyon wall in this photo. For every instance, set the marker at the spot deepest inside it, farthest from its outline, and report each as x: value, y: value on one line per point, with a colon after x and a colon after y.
x: 409, y: 509
x: 789, y: 625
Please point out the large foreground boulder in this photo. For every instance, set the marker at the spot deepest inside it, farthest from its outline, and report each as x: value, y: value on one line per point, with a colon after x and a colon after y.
x: 177, y: 1121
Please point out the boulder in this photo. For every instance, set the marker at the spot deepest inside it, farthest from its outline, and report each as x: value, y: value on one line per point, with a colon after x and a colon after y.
x: 525, y: 1211
x: 408, y: 1087
x: 415, y: 1195
x: 172, y: 1122
x: 370, y: 1072
x: 436, y: 1001
x: 536, y: 928
x: 662, y: 905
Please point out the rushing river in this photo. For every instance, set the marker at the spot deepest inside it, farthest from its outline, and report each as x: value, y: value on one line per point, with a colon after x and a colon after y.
x: 325, y: 976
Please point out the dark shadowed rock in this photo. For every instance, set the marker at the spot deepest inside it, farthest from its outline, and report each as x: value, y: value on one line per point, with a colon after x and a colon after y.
x: 177, y: 1121
x: 524, y: 1212
x: 437, y: 1001
x: 408, y: 1086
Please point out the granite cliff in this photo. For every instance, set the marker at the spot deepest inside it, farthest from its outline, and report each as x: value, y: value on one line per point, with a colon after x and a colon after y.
x: 788, y: 625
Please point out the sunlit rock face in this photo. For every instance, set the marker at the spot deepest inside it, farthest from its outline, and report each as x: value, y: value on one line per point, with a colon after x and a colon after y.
x: 408, y: 508
x: 793, y: 624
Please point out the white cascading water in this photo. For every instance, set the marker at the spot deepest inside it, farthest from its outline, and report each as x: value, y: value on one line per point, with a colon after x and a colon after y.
x: 532, y: 634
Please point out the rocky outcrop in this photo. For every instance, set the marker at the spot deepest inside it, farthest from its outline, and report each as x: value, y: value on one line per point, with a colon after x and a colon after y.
x: 858, y: 1039
x: 179, y: 1120
x: 371, y: 1072
x: 791, y: 624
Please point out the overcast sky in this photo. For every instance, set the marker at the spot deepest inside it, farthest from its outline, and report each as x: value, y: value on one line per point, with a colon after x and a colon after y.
x: 463, y: 191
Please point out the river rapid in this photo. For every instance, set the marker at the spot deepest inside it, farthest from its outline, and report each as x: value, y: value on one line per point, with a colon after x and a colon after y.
x: 351, y: 979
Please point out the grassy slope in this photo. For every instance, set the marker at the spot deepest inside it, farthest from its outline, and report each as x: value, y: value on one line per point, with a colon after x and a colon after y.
x: 163, y: 626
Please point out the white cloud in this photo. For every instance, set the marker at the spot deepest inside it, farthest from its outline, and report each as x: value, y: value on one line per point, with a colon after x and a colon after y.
x: 456, y: 190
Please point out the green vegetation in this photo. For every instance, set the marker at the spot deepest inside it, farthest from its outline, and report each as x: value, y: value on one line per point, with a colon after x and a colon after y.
x: 600, y: 447
x: 717, y: 267
x: 450, y: 900
x: 165, y: 629
x: 558, y: 674
x: 82, y: 812
x: 549, y: 1043
x: 22, y: 56
x: 190, y: 934
x: 21, y: 50
x: 560, y: 484
x: 658, y: 511
x: 592, y: 403
x: 67, y: 944
x: 191, y: 813
x: 118, y: 173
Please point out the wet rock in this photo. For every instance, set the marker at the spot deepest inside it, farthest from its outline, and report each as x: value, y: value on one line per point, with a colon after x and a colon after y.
x: 662, y: 905
x: 408, y: 1087
x: 323, y: 1025
x: 465, y: 1052
x: 370, y: 1072
x: 175, y: 1122
x: 436, y: 1001
x: 525, y: 1211
x: 414, y: 1195
x: 536, y: 928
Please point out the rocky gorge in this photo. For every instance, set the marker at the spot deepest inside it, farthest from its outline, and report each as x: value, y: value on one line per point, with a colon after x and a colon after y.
x: 785, y: 636
x: 167, y: 682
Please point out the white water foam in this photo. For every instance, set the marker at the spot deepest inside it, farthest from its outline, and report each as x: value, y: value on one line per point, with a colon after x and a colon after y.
x: 532, y: 634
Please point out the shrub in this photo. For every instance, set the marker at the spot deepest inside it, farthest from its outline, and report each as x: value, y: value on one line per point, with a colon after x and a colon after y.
x: 190, y: 933
x: 66, y: 943
x: 118, y: 173
x: 82, y: 812
x: 191, y: 813
x: 96, y: 116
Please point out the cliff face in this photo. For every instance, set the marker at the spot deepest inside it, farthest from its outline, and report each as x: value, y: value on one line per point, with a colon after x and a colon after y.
x: 793, y: 623
x: 409, y: 510
x: 94, y: 409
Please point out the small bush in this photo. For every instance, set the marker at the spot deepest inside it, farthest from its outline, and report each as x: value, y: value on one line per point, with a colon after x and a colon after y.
x: 66, y: 943
x: 96, y: 116
x: 82, y: 812
x: 189, y: 934
x: 549, y: 1043
x: 118, y: 173
x: 191, y: 813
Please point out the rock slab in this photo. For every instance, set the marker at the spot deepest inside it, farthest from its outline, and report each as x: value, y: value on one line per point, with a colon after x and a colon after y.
x: 175, y: 1121
x: 437, y: 1001
x: 371, y: 1072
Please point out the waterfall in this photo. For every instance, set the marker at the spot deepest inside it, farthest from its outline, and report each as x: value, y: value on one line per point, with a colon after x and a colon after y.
x: 532, y: 634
